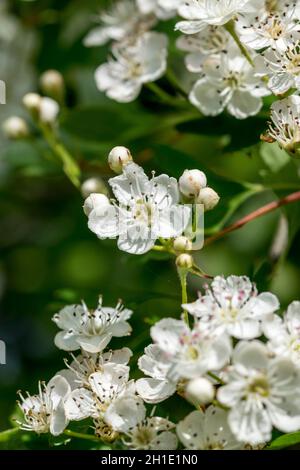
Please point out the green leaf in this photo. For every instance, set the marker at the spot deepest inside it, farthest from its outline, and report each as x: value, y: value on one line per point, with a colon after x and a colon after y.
x: 274, y: 157
x: 287, y: 440
x: 242, y: 134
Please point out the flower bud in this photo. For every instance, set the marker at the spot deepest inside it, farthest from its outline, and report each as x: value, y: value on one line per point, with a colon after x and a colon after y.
x: 95, y: 201
x: 32, y: 102
x: 92, y: 186
x: 191, y: 182
x: 184, y: 261
x: 15, y: 128
x: 209, y: 198
x: 49, y: 110
x: 118, y: 158
x: 52, y: 84
x: 200, y: 392
x: 182, y: 244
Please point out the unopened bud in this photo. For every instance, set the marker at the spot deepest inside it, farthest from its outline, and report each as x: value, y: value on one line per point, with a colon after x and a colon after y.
x: 209, y: 198
x: 15, y: 128
x: 95, y: 201
x: 200, y: 392
x: 32, y: 102
x: 191, y: 182
x: 184, y: 261
x: 92, y: 186
x: 52, y: 84
x: 118, y: 158
x: 182, y: 244
x: 49, y: 110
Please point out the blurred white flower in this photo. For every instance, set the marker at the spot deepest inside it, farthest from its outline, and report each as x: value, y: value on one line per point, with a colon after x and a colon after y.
x: 285, y: 123
x: 127, y: 415
x: 233, y: 305
x: 146, y: 210
x: 261, y: 392
x: 90, y: 330
x: 229, y: 83
x: 282, y: 68
x: 284, y: 333
x: 119, y: 22
x: 157, y: 387
x: 275, y: 30
x: 213, y: 40
x: 15, y: 128
x: 132, y: 65
x: 199, y: 13
x: 191, y: 352
x: 45, y: 412
x: 207, y: 430
x: 163, y: 9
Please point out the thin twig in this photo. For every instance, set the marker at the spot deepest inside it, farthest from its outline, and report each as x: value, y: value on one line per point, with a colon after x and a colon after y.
x: 255, y: 215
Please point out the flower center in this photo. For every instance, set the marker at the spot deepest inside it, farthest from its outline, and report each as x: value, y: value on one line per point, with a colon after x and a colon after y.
x: 143, y: 436
x: 275, y: 29
x: 259, y: 386
x: 143, y: 212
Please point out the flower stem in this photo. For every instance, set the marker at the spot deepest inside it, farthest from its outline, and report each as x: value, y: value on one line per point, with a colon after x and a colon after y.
x: 230, y: 27
x: 163, y: 96
x: 70, y: 166
x: 215, y: 377
x: 79, y: 435
x: 171, y: 77
x: 184, y: 297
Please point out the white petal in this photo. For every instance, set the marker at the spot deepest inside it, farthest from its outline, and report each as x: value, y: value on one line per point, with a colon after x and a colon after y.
x: 94, y: 344
x: 155, y: 391
x: 243, y: 104
x: 206, y: 97
x: 125, y: 413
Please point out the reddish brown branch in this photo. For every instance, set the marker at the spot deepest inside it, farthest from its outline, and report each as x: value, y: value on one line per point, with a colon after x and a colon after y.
x: 254, y: 215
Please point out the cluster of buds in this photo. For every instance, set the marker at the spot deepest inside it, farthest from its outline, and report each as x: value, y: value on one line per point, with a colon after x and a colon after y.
x: 43, y: 109
x: 193, y: 186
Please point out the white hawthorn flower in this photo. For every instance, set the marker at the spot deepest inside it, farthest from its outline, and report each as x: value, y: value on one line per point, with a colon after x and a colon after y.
x: 275, y: 30
x: 163, y: 9
x: 261, y: 392
x: 228, y: 83
x: 79, y: 370
x: 90, y: 330
x: 284, y: 333
x: 285, y: 123
x: 199, y: 13
x: 104, y: 388
x: 146, y: 210
x: 207, y: 430
x: 133, y: 65
x: 233, y: 305
x: 127, y: 415
x: 212, y: 40
x: 281, y: 67
x: 45, y: 412
x: 118, y: 23
x: 157, y: 387
x: 191, y: 352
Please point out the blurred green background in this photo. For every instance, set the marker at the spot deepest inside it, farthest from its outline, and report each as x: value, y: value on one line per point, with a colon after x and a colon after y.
x: 49, y: 258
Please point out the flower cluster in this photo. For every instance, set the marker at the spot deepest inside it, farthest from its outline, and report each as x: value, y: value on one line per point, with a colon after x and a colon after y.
x: 237, y: 53
x: 144, y: 210
x: 235, y: 360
